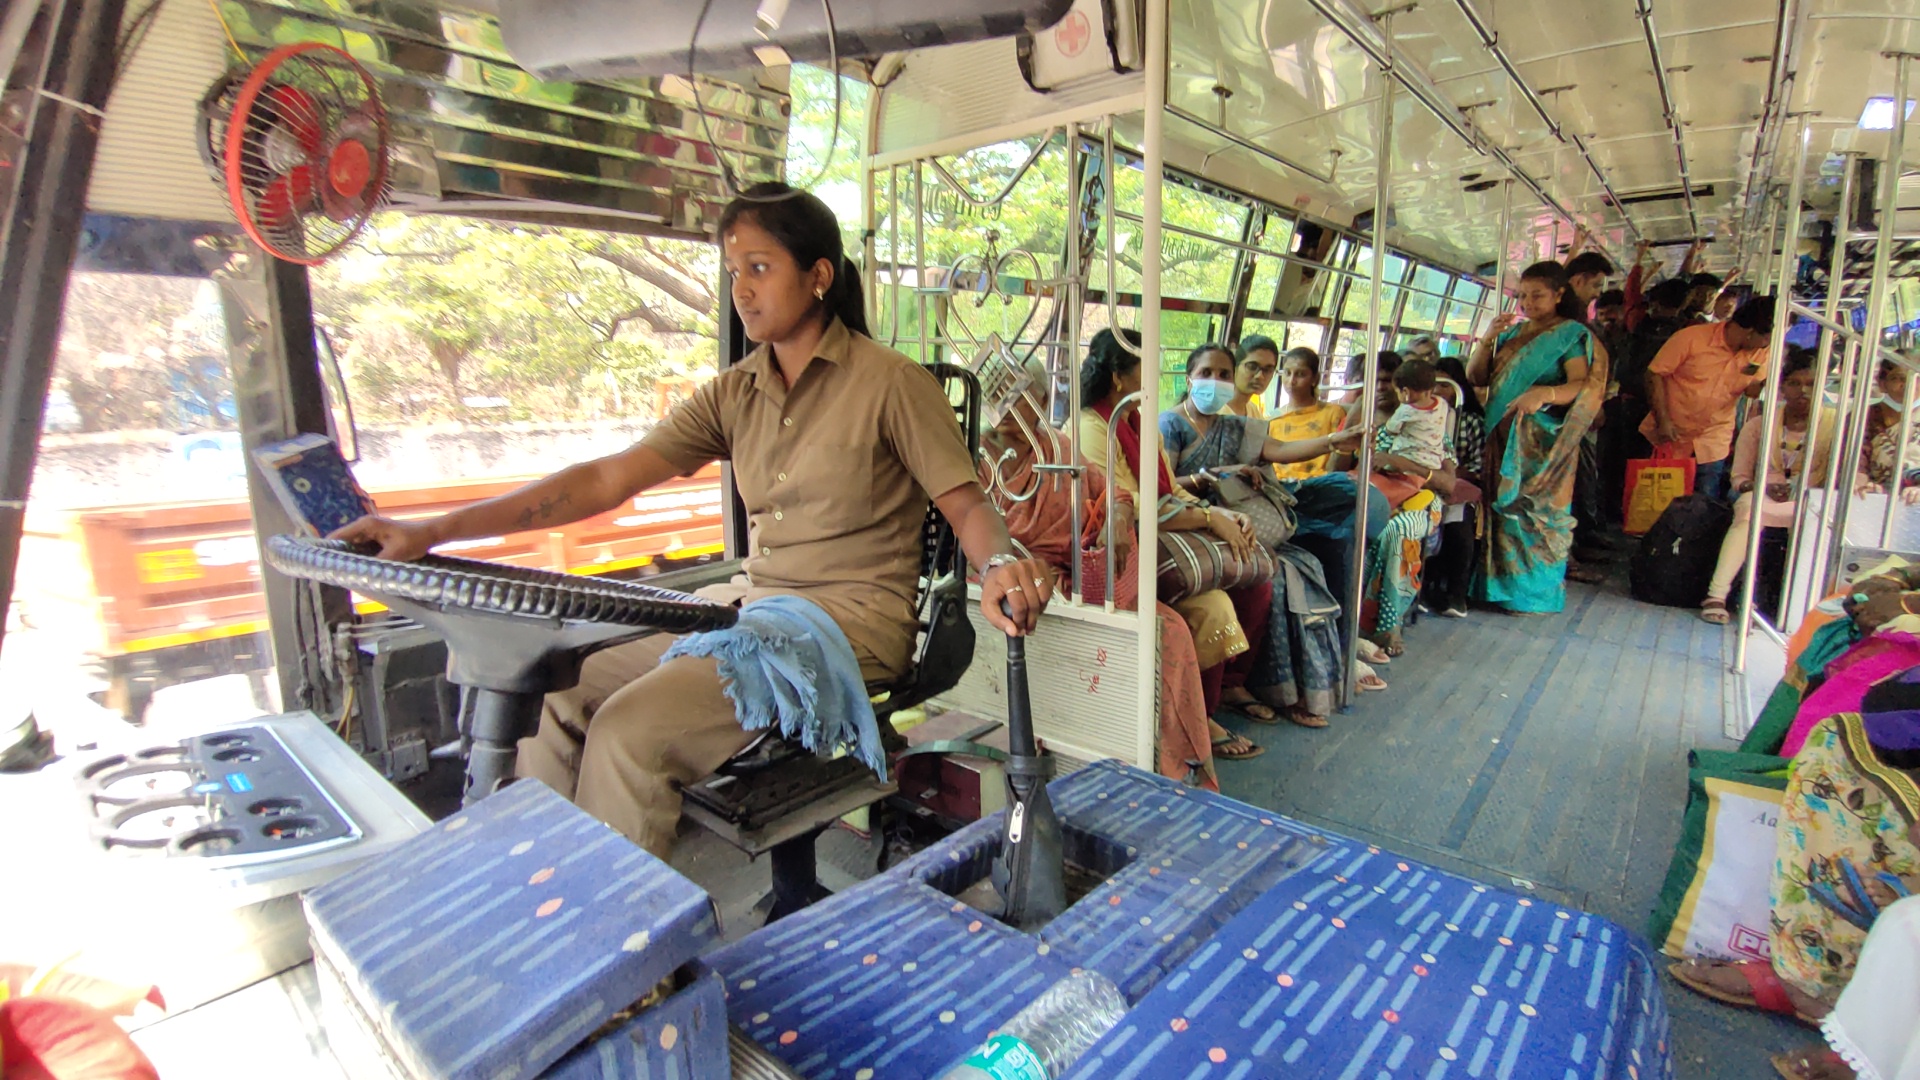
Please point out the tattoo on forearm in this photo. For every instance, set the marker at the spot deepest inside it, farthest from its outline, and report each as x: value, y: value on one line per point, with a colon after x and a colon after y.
x: 545, y: 510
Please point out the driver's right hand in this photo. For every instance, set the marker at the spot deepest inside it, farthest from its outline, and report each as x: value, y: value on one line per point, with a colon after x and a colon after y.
x: 402, y: 541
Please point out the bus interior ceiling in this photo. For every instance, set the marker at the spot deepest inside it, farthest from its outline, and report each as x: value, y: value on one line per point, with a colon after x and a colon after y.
x: 1634, y: 121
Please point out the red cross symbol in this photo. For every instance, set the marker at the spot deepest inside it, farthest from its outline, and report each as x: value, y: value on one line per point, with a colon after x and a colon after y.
x: 1072, y: 34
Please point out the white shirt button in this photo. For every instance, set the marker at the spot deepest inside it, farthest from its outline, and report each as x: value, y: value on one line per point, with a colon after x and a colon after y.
x: 766, y: 551
x: 783, y: 478
x: 788, y: 422
x: 779, y: 516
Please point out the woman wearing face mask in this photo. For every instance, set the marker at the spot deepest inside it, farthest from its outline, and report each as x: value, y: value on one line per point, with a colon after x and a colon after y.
x: 1301, y: 669
x: 1883, y: 438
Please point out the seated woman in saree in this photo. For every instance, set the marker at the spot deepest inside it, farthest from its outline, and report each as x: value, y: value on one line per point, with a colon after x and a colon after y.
x: 1545, y: 394
x: 1882, y: 453
x: 1039, y: 514
x: 1870, y: 1033
x: 1847, y: 846
x: 1301, y: 670
x: 1229, y: 627
x: 1304, y: 415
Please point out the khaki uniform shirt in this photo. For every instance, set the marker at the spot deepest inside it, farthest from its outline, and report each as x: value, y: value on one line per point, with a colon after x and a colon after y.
x: 836, y: 474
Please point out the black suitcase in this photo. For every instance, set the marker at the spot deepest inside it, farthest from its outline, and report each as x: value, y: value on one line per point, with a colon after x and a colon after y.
x: 1675, y: 561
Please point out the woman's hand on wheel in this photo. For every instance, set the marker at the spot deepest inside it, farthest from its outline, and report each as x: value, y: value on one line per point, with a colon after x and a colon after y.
x: 1024, y: 588
x: 401, y: 541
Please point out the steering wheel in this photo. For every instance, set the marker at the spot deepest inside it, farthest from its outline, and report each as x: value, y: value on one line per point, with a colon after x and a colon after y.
x: 514, y: 634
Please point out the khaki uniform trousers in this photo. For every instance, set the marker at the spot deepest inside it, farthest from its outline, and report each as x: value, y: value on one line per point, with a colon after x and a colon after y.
x: 635, y: 731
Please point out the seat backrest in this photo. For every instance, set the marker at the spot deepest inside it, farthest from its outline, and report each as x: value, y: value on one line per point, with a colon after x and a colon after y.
x: 945, y: 645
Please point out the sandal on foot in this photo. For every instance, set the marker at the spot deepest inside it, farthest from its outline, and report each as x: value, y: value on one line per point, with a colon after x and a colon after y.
x: 1714, y: 611
x: 1371, y: 682
x: 1800, y: 1064
x: 1372, y: 653
x: 1586, y: 575
x: 1237, y: 748
x: 1766, y: 992
x: 1306, y: 719
x: 1253, y: 709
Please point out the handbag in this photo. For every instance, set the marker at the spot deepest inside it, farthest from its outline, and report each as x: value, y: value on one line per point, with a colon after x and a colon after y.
x: 1192, y: 563
x: 1269, y: 507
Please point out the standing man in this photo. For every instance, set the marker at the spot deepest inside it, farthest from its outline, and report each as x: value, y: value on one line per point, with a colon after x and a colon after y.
x: 1628, y: 410
x: 1587, y: 274
x: 1695, y: 383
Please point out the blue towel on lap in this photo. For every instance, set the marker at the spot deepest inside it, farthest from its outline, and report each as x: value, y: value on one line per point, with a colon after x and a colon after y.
x: 786, y: 660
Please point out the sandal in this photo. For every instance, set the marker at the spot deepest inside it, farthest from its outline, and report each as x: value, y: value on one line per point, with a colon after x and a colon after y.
x: 1306, y: 719
x: 1251, y: 708
x: 1368, y: 681
x: 1586, y: 575
x: 1799, y: 1064
x: 1237, y: 748
x: 1372, y: 653
x: 1391, y: 643
x: 1767, y: 992
x: 1714, y: 611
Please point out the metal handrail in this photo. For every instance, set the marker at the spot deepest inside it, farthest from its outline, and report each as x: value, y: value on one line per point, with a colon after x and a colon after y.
x: 1847, y: 333
x: 1113, y: 308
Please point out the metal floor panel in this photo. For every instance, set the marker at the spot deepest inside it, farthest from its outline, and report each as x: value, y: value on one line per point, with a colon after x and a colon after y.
x: 1548, y: 751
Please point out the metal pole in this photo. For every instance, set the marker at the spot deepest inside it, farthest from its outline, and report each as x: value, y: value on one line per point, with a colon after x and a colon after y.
x: 1770, y: 413
x: 1370, y: 363
x: 1068, y: 292
x: 1866, y: 371
x: 1154, y: 163
x: 1823, y: 367
x: 1880, y: 284
x: 1506, y: 231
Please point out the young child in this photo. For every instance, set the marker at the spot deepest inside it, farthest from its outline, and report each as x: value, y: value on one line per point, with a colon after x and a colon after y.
x: 1417, y: 430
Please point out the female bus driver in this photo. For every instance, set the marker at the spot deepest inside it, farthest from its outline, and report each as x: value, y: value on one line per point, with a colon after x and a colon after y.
x: 837, y: 444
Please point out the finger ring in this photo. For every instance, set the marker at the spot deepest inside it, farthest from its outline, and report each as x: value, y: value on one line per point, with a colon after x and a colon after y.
x: 1015, y: 588
x: 1038, y: 584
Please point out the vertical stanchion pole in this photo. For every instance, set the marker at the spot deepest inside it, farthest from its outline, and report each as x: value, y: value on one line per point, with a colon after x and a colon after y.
x: 1880, y: 284
x: 1506, y: 231
x: 1770, y: 413
x: 1866, y: 369
x: 1068, y: 303
x: 1370, y: 363
x: 1154, y: 164
x: 1790, y: 609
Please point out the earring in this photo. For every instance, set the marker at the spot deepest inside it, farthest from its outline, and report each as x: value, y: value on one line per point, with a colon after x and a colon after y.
x: 819, y: 294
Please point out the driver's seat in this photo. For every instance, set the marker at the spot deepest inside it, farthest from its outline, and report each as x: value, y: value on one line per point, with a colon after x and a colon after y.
x: 777, y: 797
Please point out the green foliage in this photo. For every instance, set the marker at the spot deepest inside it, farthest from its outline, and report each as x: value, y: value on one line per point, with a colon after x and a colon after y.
x: 432, y: 314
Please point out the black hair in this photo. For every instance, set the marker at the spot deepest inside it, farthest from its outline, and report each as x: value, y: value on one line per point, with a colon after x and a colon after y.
x: 1589, y: 262
x: 1798, y: 359
x: 1204, y: 350
x: 1755, y: 315
x: 1704, y: 280
x: 1671, y: 293
x: 1106, y: 360
x: 1452, y: 368
x: 1387, y: 362
x: 1612, y: 298
x: 1306, y: 356
x: 1256, y: 343
x: 1555, y: 277
x: 1415, y: 375
x: 803, y: 225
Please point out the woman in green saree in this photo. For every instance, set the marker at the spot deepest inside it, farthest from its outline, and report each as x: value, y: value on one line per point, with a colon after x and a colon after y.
x: 1546, y: 392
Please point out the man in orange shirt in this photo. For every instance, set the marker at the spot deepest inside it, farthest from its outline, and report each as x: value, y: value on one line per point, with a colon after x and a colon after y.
x: 1695, y: 382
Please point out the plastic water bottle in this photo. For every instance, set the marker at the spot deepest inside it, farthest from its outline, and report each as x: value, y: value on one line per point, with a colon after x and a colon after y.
x: 1044, y: 1039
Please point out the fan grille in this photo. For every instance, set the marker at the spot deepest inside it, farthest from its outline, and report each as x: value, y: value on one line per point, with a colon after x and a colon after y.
x: 306, y: 152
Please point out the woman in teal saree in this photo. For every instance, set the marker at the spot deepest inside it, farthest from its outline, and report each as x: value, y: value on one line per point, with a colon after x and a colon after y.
x: 1546, y: 391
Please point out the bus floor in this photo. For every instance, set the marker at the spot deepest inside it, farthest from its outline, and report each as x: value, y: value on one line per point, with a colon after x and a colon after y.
x: 1547, y: 754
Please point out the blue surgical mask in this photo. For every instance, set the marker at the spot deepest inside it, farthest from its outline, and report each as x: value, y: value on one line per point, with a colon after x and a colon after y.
x: 1211, y: 396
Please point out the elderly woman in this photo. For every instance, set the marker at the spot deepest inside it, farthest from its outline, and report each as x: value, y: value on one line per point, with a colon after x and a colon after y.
x: 1039, y: 513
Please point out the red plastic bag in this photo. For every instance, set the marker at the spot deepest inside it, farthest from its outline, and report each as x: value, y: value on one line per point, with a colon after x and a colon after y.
x: 1654, y: 482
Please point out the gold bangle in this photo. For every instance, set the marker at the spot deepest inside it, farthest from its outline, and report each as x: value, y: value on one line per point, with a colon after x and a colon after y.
x: 1903, y: 604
